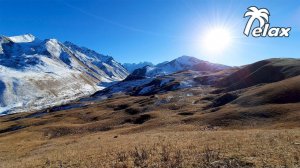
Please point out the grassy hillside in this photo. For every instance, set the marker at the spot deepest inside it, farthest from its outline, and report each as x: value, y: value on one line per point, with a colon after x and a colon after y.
x: 256, y: 124
x: 266, y: 71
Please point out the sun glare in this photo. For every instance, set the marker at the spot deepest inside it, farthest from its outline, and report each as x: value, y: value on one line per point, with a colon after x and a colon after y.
x: 217, y: 40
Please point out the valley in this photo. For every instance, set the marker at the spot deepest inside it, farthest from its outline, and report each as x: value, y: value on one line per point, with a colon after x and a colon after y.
x: 182, y: 119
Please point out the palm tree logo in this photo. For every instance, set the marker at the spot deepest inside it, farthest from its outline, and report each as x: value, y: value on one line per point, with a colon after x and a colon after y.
x: 262, y: 15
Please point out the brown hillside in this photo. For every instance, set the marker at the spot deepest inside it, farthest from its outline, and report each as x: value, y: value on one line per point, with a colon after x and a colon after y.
x: 266, y: 71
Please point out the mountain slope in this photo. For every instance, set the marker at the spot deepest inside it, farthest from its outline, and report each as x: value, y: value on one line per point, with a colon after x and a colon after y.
x: 265, y: 71
x: 36, y: 74
x: 281, y: 92
x: 98, y: 62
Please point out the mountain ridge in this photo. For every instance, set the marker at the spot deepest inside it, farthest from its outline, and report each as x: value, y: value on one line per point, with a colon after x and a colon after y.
x: 178, y: 64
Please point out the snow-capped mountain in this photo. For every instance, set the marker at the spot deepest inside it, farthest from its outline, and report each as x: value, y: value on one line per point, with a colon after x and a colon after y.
x: 36, y: 74
x: 179, y: 64
x: 99, y: 63
x: 133, y: 66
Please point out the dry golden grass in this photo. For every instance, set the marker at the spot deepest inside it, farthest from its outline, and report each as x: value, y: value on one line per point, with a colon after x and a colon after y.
x: 157, y: 148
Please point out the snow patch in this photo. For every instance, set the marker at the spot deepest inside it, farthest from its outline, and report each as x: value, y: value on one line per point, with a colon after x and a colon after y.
x: 23, y: 38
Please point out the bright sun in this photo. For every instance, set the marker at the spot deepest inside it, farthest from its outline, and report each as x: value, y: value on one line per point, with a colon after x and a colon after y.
x: 217, y: 40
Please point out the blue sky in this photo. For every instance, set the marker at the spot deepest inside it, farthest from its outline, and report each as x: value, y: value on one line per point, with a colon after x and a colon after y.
x: 154, y: 30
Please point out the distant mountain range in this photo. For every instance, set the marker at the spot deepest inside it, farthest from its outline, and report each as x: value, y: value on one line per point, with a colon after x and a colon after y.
x: 38, y: 74
x: 35, y: 73
x: 133, y: 66
x: 182, y: 63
